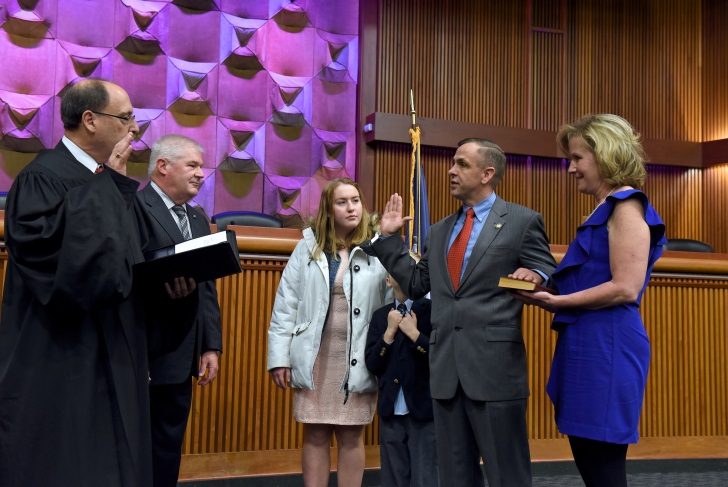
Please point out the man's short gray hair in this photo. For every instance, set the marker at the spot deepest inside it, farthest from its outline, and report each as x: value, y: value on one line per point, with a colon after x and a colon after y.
x: 170, y: 147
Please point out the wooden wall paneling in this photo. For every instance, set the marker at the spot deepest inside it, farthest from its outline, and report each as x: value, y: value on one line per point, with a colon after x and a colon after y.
x: 551, y: 198
x: 714, y: 152
x: 393, y: 172
x: 544, y: 185
x: 676, y: 194
x: 437, y: 164
x: 540, y: 341
x: 639, y: 60
x: 715, y: 207
x: 714, y: 56
x: 548, y: 79
x: 516, y: 185
x: 673, y: 62
x: 547, y: 14
x: 676, y: 59
x: 686, y: 390
x: 369, y: 76
x: 467, y: 61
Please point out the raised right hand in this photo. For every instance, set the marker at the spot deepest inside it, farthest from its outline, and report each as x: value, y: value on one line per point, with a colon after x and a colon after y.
x: 120, y: 154
x: 392, y: 220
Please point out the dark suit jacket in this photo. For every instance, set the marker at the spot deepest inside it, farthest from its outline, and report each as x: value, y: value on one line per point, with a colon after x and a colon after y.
x: 476, y: 338
x: 403, y: 363
x: 179, y: 331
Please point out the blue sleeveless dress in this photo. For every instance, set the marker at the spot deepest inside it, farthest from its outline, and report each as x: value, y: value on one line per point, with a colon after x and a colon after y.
x: 599, y: 369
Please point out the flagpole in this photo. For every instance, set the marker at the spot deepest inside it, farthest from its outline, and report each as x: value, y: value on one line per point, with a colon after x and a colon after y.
x: 414, y: 176
x: 412, y: 106
x: 418, y: 208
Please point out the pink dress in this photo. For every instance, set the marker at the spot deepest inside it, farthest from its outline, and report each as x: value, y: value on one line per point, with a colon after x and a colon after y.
x: 325, y: 404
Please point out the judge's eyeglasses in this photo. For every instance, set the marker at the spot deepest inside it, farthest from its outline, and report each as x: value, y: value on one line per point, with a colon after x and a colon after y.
x: 126, y: 118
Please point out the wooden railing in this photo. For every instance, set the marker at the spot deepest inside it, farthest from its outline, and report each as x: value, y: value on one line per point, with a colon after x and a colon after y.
x: 243, y: 425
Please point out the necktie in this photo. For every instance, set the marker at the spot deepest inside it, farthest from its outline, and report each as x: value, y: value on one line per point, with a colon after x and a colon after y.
x: 99, y: 169
x: 183, y: 226
x: 402, y: 308
x: 457, y: 250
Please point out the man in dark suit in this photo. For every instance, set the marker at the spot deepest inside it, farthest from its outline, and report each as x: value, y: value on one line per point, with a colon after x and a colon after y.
x: 479, y: 379
x: 74, y: 405
x: 397, y: 351
x: 179, y: 330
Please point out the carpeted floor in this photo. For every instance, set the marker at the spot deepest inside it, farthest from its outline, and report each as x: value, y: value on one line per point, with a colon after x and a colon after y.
x: 642, y: 473
x: 672, y: 479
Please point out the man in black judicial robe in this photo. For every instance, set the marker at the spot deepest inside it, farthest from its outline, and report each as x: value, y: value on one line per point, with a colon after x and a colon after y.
x: 185, y: 336
x: 73, y: 361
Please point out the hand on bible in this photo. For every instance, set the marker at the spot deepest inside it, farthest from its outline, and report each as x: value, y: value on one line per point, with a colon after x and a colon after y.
x: 392, y: 221
x: 120, y: 154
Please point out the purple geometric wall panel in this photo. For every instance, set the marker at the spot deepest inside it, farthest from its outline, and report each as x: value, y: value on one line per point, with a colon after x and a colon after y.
x: 268, y: 88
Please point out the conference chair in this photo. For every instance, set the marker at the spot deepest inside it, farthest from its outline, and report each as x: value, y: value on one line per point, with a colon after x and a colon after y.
x: 688, y: 245
x: 245, y: 218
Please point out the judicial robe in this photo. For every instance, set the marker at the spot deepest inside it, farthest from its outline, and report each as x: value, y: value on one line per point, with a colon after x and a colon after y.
x: 74, y: 404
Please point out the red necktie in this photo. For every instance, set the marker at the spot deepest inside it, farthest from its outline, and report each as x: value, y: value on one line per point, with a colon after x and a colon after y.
x: 457, y: 250
x: 99, y: 169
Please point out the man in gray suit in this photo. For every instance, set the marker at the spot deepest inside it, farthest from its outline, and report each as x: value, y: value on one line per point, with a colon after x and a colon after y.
x: 478, y: 368
x: 184, y: 334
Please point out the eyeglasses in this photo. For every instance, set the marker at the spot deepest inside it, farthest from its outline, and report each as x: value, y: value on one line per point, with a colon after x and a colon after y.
x: 125, y: 118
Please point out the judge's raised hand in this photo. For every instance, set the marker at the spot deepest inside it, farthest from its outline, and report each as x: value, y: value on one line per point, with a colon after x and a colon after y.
x: 120, y: 154
x: 392, y: 220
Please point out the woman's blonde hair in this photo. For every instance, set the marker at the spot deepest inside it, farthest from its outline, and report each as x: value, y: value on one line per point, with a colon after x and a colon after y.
x: 323, y: 223
x: 615, y: 144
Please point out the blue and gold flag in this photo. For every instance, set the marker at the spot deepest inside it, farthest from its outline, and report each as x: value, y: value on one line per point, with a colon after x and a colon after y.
x: 419, y: 209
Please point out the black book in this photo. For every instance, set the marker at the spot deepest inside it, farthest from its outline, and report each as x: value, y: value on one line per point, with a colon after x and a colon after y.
x: 203, y: 259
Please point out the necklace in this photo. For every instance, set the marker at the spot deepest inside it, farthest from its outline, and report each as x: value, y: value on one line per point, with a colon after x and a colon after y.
x: 600, y: 204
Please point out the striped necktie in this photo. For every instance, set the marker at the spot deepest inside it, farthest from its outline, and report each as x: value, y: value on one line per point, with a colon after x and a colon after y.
x: 183, y: 224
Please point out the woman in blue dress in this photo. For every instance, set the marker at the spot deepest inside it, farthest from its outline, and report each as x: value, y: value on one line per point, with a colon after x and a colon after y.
x: 602, y: 355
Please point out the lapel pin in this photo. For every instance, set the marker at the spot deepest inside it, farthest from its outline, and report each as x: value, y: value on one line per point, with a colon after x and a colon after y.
x: 498, y: 225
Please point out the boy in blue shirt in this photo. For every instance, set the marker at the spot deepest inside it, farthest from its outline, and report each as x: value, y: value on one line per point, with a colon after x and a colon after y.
x: 398, y: 345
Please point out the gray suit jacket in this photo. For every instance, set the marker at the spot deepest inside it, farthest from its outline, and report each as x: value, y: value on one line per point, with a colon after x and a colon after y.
x: 178, y: 330
x: 476, y: 335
